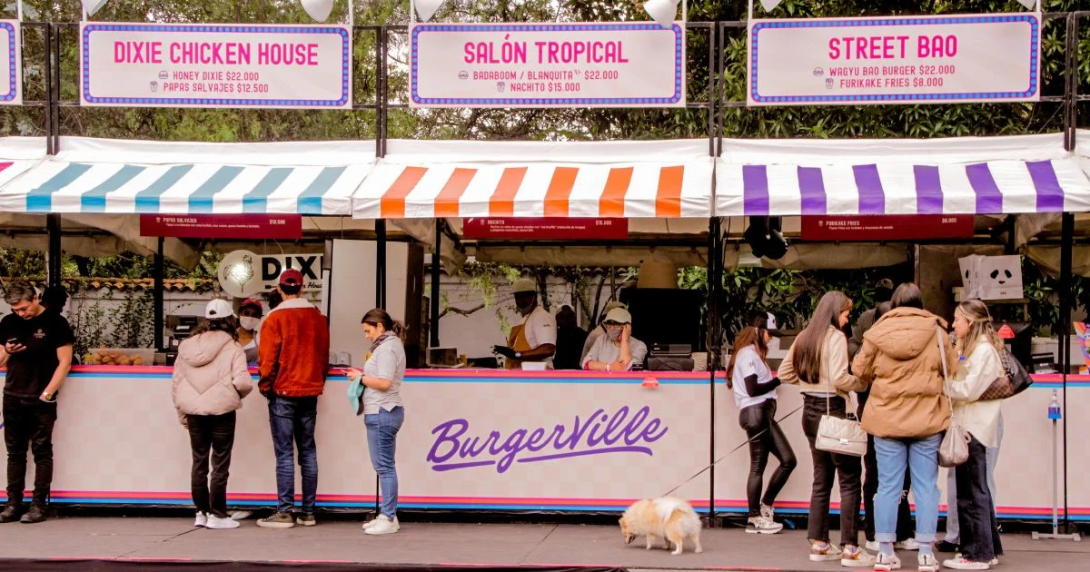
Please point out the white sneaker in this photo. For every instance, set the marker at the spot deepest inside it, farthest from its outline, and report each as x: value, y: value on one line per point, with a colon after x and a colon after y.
x: 217, y: 523
x: 911, y: 545
x: 383, y: 525
x: 824, y: 552
x: 856, y: 557
x: 993, y: 562
x: 959, y: 562
x: 241, y: 514
x: 927, y: 563
x: 872, y: 545
x: 767, y: 512
x: 201, y: 521
x: 883, y: 562
x: 762, y: 525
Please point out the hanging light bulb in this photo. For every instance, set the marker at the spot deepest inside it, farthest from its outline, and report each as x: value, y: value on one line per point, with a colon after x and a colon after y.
x: 425, y: 9
x: 318, y: 9
x: 662, y: 11
x: 92, y: 6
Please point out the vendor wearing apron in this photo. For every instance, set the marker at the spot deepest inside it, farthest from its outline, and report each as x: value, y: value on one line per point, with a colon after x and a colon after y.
x: 534, y: 340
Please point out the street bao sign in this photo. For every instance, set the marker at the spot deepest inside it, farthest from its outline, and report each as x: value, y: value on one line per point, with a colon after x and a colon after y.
x: 639, y: 64
x: 215, y: 65
x: 243, y: 273
x: 11, y: 82
x: 262, y: 226
x: 545, y: 228
x: 848, y: 61
x: 886, y: 227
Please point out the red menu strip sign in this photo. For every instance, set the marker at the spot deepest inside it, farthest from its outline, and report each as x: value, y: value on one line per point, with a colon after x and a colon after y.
x: 886, y: 227
x: 255, y: 226
x: 545, y: 228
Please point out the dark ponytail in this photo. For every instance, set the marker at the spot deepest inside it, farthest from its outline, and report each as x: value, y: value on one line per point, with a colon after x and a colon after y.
x: 379, y: 317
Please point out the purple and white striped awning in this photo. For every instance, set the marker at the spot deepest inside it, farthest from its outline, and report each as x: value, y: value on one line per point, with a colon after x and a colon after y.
x: 956, y: 176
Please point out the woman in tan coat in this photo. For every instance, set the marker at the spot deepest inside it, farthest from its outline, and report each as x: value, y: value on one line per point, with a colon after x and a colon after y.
x: 210, y: 380
x: 907, y: 412
x: 818, y: 361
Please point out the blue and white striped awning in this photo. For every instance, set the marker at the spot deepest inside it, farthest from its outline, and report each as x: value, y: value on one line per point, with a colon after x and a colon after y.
x: 125, y: 177
x: 996, y: 175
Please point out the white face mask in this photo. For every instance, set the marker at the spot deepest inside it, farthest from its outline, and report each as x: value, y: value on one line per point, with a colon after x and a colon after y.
x: 249, y: 323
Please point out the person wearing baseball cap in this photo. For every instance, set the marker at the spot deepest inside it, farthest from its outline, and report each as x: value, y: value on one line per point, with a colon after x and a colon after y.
x: 209, y: 382
x: 293, y: 353
x: 617, y: 350
x: 765, y: 321
x: 534, y: 340
x: 600, y: 330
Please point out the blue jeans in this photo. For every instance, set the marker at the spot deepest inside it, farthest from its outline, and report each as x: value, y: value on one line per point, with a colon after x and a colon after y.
x: 921, y: 457
x: 382, y: 428
x: 292, y: 420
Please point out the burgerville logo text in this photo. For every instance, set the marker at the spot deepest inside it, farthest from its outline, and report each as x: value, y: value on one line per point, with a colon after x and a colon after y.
x: 457, y: 446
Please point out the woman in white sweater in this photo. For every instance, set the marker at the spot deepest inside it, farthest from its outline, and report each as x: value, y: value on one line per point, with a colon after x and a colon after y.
x: 979, y: 365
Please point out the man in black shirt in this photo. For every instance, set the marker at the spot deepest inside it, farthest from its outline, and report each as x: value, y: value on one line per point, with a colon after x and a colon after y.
x: 37, y: 349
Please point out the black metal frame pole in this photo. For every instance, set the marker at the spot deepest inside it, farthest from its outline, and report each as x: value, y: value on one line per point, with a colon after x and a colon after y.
x: 1066, y: 293
x: 158, y: 294
x: 380, y: 263
x: 1067, y: 232
x: 49, y: 102
x: 715, y: 340
x: 53, y: 268
x: 433, y: 340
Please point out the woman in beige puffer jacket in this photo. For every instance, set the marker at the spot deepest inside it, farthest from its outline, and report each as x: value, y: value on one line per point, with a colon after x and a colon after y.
x: 902, y: 363
x: 210, y: 380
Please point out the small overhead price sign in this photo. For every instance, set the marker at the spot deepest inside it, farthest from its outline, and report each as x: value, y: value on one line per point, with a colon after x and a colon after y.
x: 215, y: 65
x: 910, y: 60
x: 639, y: 64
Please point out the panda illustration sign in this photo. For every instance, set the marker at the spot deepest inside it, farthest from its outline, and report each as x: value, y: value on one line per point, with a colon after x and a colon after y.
x: 991, y: 277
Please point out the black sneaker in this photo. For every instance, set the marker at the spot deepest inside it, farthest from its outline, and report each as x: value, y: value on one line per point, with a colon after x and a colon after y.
x: 946, y: 547
x: 11, y: 513
x: 306, y: 519
x: 36, y: 514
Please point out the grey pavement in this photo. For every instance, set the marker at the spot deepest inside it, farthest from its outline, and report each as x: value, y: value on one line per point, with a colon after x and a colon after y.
x: 342, y: 541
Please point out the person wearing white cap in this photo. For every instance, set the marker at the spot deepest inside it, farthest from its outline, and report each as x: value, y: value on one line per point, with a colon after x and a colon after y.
x: 210, y: 380
x: 534, y: 340
x: 599, y: 331
x: 617, y: 350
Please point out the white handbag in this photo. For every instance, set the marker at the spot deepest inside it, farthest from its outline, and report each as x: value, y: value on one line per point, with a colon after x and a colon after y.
x: 954, y: 449
x: 842, y: 436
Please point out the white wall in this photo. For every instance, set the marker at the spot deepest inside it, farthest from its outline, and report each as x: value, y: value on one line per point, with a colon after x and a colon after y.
x: 353, y: 291
x: 475, y: 334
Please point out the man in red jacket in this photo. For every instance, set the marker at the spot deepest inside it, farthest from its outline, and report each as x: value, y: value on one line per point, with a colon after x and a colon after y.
x: 294, y: 357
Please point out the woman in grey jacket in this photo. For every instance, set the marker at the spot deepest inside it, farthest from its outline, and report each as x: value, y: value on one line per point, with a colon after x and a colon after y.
x: 210, y: 380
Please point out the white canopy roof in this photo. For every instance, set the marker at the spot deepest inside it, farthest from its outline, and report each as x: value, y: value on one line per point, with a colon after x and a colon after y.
x: 624, y: 179
x: 126, y: 177
x: 964, y: 175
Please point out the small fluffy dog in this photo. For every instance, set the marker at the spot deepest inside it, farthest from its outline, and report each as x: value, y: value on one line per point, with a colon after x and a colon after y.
x: 668, y: 518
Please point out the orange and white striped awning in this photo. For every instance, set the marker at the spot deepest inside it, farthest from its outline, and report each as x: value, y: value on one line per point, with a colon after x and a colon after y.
x: 664, y: 179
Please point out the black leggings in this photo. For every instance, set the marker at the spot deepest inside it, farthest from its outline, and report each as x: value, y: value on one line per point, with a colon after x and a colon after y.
x: 765, y: 437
